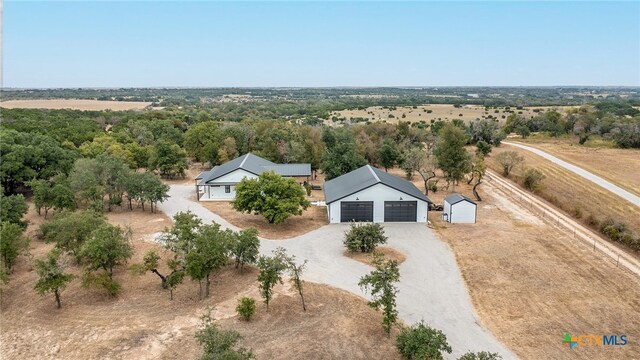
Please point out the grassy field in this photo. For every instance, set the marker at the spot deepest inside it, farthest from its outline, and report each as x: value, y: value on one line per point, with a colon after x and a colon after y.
x: 530, y: 283
x: 435, y: 112
x: 142, y: 323
x: 75, y: 104
x: 577, y: 196
x: 619, y: 166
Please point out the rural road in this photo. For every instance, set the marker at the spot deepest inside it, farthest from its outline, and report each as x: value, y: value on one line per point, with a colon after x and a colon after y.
x: 633, y: 198
x: 431, y: 287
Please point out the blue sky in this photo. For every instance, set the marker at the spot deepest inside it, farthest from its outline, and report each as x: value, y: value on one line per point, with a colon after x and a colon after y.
x: 177, y: 43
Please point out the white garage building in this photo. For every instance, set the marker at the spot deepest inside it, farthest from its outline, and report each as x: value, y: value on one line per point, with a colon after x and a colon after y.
x: 459, y: 209
x: 370, y: 194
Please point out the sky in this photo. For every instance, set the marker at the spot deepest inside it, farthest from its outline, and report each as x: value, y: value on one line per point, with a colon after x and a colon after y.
x: 319, y: 44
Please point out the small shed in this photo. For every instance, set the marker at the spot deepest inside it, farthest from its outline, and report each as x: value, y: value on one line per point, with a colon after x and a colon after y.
x: 459, y: 209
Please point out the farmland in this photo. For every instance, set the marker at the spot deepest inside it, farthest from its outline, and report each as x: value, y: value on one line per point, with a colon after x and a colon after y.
x: 434, y: 112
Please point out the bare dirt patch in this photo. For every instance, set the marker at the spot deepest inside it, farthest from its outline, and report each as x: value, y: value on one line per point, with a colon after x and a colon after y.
x: 74, y: 104
x: 311, y: 219
x: 142, y: 323
x: 530, y: 283
x: 366, y: 258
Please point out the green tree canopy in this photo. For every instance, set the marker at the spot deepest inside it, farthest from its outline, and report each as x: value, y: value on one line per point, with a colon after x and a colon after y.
x: 452, y: 157
x: 51, y: 275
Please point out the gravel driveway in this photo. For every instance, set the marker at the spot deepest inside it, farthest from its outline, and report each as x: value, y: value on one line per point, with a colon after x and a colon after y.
x: 430, y: 289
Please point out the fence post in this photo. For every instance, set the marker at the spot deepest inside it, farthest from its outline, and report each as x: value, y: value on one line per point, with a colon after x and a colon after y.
x: 618, y: 262
x: 594, y: 244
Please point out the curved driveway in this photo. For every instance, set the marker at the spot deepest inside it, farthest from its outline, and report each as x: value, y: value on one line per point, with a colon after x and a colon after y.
x: 430, y: 289
x: 633, y: 198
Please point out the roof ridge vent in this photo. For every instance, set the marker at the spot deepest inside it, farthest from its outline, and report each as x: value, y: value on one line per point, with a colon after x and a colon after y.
x: 373, y: 173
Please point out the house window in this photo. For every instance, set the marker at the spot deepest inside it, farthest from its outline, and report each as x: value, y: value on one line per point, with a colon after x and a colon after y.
x: 227, y: 189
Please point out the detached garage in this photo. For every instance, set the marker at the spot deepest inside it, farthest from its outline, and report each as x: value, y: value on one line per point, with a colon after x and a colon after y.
x: 459, y: 209
x: 370, y: 194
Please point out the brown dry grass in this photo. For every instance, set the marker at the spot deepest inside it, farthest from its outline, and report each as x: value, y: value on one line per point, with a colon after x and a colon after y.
x: 75, y: 104
x: 143, y: 323
x: 366, y: 258
x: 575, y: 195
x: 439, y: 112
x: 620, y: 166
x: 311, y: 219
x: 530, y: 283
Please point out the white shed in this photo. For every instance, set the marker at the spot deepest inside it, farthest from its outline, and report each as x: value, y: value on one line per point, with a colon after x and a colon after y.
x: 369, y: 194
x: 459, y: 209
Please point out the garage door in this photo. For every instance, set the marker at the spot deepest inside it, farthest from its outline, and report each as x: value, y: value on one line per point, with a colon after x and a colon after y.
x: 400, y: 210
x: 356, y: 211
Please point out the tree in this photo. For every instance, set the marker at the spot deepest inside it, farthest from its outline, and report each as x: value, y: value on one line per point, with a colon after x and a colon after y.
x: 478, y: 170
x: 364, y: 237
x: 532, y: 178
x: 271, y: 268
x: 208, y: 255
x: 70, y: 230
x: 218, y: 344
x: 295, y: 272
x: 508, y: 160
x: 51, y: 275
x: 481, y: 355
x: 151, y: 262
x: 422, y: 342
x: 483, y: 148
x: 272, y: 196
x: 417, y: 159
x: 168, y: 158
x: 450, y: 153
x: 388, y: 155
x: 12, y: 208
x: 523, y: 131
x: 107, y: 248
x: 342, y: 154
x: 11, y: 243
x: 381, y: 282
x: 153, y: 190
x: 245, y: 247
x: 42, y: 195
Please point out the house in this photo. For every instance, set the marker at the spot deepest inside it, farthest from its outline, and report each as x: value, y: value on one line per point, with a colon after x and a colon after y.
x: 370, y: 194
x: 219, y: 183
x: 459, y: 209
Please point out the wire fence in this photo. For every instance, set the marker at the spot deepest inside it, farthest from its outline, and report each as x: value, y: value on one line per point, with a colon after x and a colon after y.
x: 565, y: 223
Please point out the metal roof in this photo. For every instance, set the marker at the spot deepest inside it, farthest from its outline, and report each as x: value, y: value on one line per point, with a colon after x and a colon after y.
x: 255, y: 165
x: 456, y: 198
x: 366, y: 177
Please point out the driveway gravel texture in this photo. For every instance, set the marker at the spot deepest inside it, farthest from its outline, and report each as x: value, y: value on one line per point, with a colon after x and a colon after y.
x: 430, y: 288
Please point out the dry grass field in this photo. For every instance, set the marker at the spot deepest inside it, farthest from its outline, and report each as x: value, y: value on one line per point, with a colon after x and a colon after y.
x: 142, y: 323
x: 577, y: 196
x: 74, y: 104
x: 389, y: 254
x: 619, y: 166
x: 438, y: 112
x: 530, y: 283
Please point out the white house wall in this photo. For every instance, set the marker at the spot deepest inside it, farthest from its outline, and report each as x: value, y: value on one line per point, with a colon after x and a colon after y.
x: 462, y: 212
x: 378, y: 193
x: 214, y: 192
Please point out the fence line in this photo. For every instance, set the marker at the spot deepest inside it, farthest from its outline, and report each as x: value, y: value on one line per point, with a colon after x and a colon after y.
x: 614, y: 255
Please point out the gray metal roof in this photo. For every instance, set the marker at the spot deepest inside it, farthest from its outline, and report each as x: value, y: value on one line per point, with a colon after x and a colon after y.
x: 456, y: 198
x: 255, y: 165
x: 363, y: 178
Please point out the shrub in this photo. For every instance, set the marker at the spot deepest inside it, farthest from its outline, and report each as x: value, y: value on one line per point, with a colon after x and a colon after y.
x: 592, y: 221
x: 364, y: 237
x: 433, y: 186
x: 532, y: 178
x: 483, y: 148
x: 422, y: 342
x: 481, y: 355
x: 246, y: 307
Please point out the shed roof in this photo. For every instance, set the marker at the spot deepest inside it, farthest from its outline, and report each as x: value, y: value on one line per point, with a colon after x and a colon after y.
x: 456, y: 198
x: 255, y: 165
x: 365, y: 177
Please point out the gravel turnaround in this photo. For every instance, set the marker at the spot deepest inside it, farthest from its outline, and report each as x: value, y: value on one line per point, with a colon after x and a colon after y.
x: 430, y: 288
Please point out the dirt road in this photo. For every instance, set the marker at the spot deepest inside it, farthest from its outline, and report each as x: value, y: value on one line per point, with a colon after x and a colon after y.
x: 633, y: 198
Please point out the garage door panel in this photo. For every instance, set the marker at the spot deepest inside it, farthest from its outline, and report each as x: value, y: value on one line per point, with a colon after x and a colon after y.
x: 400, y: 211
x: 356, y: 211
